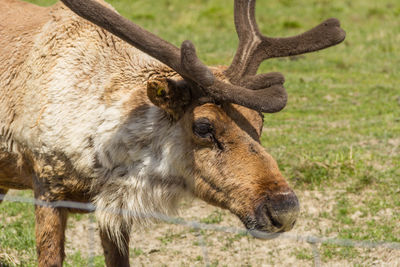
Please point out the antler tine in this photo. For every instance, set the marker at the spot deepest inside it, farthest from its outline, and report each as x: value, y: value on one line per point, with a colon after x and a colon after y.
x: 255, y: 47
x: 249, y: 38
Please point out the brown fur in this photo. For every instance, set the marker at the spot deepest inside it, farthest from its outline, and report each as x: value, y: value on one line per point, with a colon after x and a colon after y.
x: 114, y: 257
x: 19, y: 23
x: 50, y: 236
x: 231, y: 185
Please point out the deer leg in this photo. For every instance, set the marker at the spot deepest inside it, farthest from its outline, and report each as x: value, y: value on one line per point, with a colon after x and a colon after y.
x: 50, y: 230
x: 3, y: 192
x: 113, y: 255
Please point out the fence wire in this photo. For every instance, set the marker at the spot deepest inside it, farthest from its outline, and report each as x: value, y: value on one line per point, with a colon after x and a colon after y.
x: 195, y: 225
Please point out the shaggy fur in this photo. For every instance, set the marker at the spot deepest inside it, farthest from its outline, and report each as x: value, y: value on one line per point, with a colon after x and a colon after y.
x: 116, y: 146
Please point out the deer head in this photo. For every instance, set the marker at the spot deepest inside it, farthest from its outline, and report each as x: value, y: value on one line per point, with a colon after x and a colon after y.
x: 220, y: 110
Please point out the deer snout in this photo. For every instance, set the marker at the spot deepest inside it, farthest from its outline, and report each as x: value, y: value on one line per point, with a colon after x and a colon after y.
x: 277, y: 212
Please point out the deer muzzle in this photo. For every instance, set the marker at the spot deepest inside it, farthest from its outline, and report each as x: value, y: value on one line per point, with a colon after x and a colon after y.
x: 277, y: 212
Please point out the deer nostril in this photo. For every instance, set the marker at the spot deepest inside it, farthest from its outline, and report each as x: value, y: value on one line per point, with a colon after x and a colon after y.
x: 274, y: 222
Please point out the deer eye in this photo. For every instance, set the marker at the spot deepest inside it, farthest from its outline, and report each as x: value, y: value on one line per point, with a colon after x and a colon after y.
x: 203, y: 128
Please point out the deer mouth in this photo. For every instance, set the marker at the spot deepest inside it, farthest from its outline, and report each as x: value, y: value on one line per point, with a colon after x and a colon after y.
x: 274, y: 214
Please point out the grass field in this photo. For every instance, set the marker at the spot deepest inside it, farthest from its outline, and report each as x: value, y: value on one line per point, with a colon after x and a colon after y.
x: 337, y: 141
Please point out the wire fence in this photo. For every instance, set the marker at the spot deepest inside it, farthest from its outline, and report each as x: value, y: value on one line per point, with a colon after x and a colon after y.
x: 313, y: 241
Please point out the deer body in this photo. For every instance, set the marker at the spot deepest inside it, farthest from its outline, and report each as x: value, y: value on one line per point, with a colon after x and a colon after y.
x: 85, y: 116
x: 70, y: 93
x: 74, y: 108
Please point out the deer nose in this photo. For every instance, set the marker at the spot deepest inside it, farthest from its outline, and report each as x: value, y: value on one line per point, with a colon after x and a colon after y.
x: 278, y: 211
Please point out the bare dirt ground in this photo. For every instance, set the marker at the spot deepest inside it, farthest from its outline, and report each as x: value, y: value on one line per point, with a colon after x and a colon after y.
x: 175, y: 245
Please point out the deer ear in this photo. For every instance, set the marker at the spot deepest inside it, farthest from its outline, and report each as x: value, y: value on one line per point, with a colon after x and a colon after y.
x: 171, y: 96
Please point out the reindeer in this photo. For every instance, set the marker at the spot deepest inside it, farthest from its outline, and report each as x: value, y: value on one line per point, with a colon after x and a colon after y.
x: 95, y: 109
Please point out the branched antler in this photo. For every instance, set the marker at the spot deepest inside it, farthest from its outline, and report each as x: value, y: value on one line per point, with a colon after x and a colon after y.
x: 262, y: 92
x: 254, y: 47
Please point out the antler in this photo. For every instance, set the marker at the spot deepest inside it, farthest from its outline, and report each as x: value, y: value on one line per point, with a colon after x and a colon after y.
x: 263, y: 92
x: 254, y: 47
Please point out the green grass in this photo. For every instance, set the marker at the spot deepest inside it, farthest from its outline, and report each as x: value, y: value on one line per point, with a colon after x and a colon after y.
x: 17, y: 228
x: 213, y: 218
x: 339, y: 131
